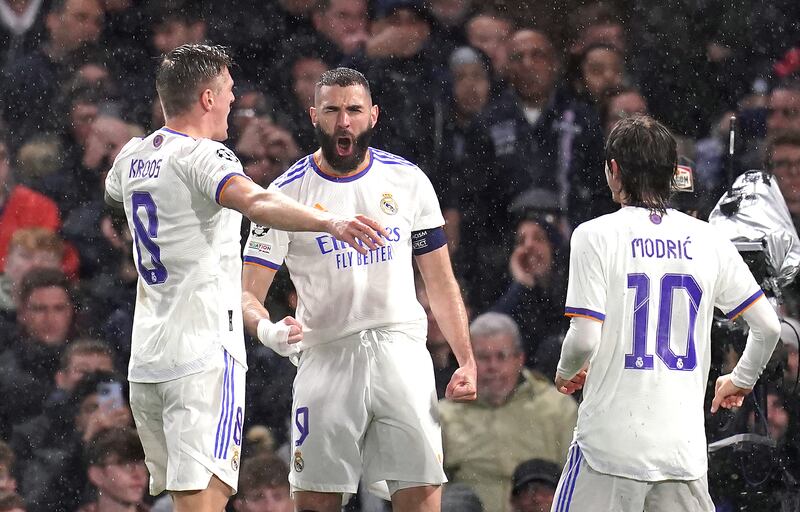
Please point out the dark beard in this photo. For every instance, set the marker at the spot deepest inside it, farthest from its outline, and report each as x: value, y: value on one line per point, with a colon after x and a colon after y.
x: 343, y: 164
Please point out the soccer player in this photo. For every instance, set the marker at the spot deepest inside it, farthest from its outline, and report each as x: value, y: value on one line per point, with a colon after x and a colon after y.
x: 643, y: 285
x: 183, y: 192
x: 364, y: 399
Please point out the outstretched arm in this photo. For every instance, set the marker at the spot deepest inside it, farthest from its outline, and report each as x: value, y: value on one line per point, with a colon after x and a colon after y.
x: 276, y: 210
x: 451, y: 315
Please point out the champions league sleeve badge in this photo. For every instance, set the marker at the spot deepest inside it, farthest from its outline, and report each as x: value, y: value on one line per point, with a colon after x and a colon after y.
x: 388, y: 204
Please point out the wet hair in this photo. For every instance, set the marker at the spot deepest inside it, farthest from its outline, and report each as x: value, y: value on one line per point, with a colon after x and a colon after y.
x: 114, y: 446
x: 646, y: 154
x: 43, y: 278
x: 186, y: 69
x: 342, y: 77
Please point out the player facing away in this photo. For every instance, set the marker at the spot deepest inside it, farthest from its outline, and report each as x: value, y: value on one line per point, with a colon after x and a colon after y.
x: 643, y: 285
x: 364, y: 398
x: 183, y: 192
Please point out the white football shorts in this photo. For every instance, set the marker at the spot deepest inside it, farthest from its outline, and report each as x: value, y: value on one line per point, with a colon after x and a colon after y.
x: 581, y: 488
x: 191, y: 427
x: 366, y: 405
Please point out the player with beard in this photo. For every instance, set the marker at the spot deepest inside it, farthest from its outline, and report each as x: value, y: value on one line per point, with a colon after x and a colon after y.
x: 364, y: 397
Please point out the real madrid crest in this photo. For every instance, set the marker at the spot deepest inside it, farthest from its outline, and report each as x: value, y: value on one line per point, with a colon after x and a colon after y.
x: 388, y: 204
x: 235, y: 460
x: 298, y: 461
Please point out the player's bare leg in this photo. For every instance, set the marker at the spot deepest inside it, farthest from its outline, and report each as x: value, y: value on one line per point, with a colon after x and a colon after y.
x: 308, y: 501
x: 211, y: 499
x: 427, y: 498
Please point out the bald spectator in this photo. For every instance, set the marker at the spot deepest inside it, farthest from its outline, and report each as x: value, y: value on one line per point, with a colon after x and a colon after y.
x: 518, y: 416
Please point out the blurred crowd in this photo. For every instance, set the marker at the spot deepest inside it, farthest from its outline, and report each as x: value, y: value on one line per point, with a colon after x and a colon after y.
x: 503, y: 103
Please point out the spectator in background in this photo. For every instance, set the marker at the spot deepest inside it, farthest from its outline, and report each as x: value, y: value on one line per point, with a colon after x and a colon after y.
x: 619, y: 104
x: 595, y: 73
x: 266, y: 150
x: 21, y: 28
x: 8, y: 483
x: 342, y: 26
x: 81, y: 358
x: 51, y: 446
x: 597, y: 23
x: 489, y: 32
x: 29, y: 248
x: 45, y: 315
x: 83, y: 225
x: 535, y: 297
x: 175, y: 23
x: 783, y: 161
x: 305, y: 70
x: 403, y: 71
x: 470, y: 81
x: 448, y: 27
x: 33, y: 80
x: 518, y: 415
x: 116, y: 470
x: 20, y: 207
x: 263, y: 486
x: 533, y: 486
x: 529, y: 136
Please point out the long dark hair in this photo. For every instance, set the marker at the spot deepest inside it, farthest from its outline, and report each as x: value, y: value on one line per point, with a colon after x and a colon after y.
x: 646, y: 154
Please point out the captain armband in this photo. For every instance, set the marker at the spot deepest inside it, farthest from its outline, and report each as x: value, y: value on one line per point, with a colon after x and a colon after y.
x: 427, y: 240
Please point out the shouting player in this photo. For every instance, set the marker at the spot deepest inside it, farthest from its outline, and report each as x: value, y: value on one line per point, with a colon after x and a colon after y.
x: 182, y: 192
x: 643, y: 285
x: 364, y: 396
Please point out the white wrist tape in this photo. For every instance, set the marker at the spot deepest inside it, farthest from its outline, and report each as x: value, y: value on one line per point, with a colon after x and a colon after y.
x: 276, y: 336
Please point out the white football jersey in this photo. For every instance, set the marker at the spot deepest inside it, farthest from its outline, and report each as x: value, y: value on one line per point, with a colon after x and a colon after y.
x: 654, y: 282
x: 186, y: 248
x: 341, y: 292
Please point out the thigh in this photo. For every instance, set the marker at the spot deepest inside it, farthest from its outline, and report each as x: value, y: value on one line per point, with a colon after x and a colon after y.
x: 404, y: 441
x: 581, y: 488
x: 203, y: 415
x: 329, y: 418
x: 147, y: 408
x: 688, y: 496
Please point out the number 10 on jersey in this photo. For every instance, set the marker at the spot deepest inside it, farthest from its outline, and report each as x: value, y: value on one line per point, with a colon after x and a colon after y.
x: 639, y: 359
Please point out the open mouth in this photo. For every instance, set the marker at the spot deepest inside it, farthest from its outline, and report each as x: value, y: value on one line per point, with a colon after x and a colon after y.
x: 344, y: 146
